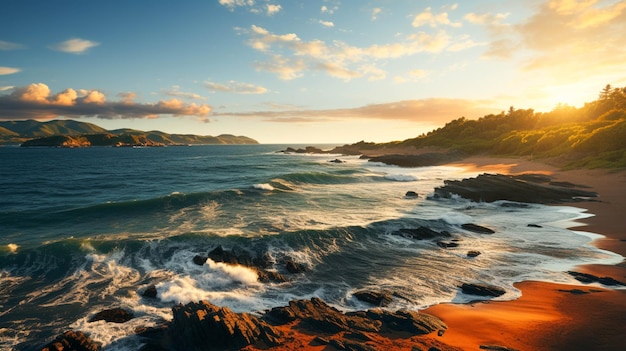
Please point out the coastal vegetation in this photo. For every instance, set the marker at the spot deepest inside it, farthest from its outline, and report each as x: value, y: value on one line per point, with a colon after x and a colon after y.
x: 70, y: 133
x: 592, y: 136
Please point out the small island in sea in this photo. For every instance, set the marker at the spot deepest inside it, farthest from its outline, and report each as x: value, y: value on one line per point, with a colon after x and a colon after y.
x: 70, y: 134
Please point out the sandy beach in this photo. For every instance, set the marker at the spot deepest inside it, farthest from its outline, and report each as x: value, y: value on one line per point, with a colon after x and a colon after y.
x: 554, y: 316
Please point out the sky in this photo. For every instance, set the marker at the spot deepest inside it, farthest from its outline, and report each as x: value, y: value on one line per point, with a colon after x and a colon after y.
x: 303, y: 71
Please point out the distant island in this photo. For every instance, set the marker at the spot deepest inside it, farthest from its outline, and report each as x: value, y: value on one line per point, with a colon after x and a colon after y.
x: 70, y: 133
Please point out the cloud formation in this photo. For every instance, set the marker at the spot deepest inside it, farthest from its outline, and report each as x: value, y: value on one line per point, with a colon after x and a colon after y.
x: 8, y: 70
x: 290, y: 57
x: 175, y: 91
x: 427, y: 17
x: 7, y: 45
x: 36, y: 101
x: 433, y: 111
x: 74, y: 46
x: 235, y: 87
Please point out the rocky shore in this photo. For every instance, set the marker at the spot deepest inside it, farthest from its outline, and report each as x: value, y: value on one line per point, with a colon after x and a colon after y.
x: 312, y: 324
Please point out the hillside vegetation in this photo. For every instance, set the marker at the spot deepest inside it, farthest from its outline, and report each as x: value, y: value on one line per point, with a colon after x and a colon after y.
x: 592, y: 136
x: 69, y: 133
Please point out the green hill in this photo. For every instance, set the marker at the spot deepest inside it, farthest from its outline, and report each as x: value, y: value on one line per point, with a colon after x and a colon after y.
x: 70, y: 133
x: 592, y: 136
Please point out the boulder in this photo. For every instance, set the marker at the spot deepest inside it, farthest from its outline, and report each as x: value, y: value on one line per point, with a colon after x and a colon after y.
x: 113, y: 315
x: 525, y: 188
x: 376, y: 298
x: 72, y: 341
x: 336, y: 161
x: 590, y: 278
x: 473, y: 253
x: 482, y: 290
x: 320, y: 317
x: 265, y: 276
x: 199, y: 260
x: 411, y: 194
x: 477, y: 228
x: 447, y: 245
x: 150, y: 292
x: 204, y: 326
x: 294, y: 267
x: 408, y: 321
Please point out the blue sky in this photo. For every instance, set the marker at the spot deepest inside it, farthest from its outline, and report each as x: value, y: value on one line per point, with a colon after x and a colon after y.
x: 303, y: 71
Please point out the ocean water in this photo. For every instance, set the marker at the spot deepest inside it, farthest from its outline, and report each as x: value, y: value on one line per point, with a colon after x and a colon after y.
x: 82, y: 230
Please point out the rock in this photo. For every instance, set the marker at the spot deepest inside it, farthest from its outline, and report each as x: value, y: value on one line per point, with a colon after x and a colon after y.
x: 482, y: 290
x: 319, y: 341
x: 477, y: 228
x: 447, y: 245
x: 320, y: 317
x: 72, y: 341
x: 336, y: 161
x: 421, y: 233
x: 589, y: 278
x: 204, y: 326
x: 473, y: 253
x: 113, y: 315
x: 150, y: 292
x: 496, y: 348
x: 534, y: 226
x: 265, y: 261
x: 411, y: 194
x: 293, y: 267
x: 408, y: 321
x: 199, y: 260
x: 270, y: 276
x: 525, y: 188
x: 376, y: 298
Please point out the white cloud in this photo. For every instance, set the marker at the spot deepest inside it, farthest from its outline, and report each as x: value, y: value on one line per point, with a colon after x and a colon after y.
x: 7, y: 45
x: 36, y: 101
x: 234, y: 3
x: 427, y: 17
x: 175, y: 91
x: 74, y: 46
x: 326, y: 23
x: 8, y: 70
x: 375, y: 12
x: 236, y: 87
x: 273, y: 9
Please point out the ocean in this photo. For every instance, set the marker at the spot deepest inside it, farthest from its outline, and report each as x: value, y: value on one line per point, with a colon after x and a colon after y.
x: 82, y: 230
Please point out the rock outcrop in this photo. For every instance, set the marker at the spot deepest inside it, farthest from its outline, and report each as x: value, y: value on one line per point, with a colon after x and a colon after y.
x: 377, y: 298
x: 72, y: 341
x: 520, y: 188
x: 113, y: 315
x: 482, y: 290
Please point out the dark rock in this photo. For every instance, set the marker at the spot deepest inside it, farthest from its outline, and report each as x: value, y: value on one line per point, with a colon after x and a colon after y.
x: 534, y: 226
x: 265, y: 261
x: 357, y: 335
x: 293, y: 267
x: 199, y: 260
x: 447, y: 245
x: 411, y: 194
x: 477, y: 228
x: 318, y: 316
x: 408, y: 321
x: 72, y: 341
x: 482, y: 290
x: 421, y: 160
x: 150, y: 292
x: 336, y: 161
x: 376, y: 298
x: 204, y: 326
x: 575, y: 291
x: 473, y: 253
x: 337, y: 344
x: 589, y: 278
x: 496, y: 348
x: 113, y: 315
x: 421, y: 233
x: 519, y: 188
x: 270, y: 276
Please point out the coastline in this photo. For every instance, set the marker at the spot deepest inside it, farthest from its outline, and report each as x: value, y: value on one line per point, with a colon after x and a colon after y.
x: 552, y: 316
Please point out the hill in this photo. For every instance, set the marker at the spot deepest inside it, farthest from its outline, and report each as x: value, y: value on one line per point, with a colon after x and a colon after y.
x: 70, y: 133
x: 592, y: 136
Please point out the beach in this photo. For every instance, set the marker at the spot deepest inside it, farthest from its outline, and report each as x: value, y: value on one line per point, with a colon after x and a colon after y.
x: 554, y: 316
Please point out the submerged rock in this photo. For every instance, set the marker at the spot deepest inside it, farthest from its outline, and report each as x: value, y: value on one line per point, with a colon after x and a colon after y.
x: 473, y: 253
x: 150, y: 292
x: 113, y: 315
x: 411, y: 195
x: 421, y: 233
x: 376, y: 298
x: 590, y: 278
x: 477, y: 228
x: 482, y: 290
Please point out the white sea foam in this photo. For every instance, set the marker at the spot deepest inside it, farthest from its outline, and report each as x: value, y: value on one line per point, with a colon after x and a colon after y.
x: 264, y: 186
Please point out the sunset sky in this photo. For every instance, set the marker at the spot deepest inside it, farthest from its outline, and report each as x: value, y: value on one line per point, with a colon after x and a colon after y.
x: 303, y: 71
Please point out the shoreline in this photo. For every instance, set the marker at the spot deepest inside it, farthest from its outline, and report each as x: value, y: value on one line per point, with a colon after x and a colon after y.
x: 552, y: 316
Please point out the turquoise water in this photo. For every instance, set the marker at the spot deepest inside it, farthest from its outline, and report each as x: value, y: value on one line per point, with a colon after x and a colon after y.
x: 82, y: 230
